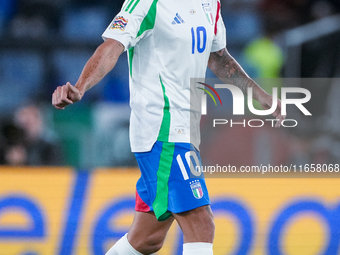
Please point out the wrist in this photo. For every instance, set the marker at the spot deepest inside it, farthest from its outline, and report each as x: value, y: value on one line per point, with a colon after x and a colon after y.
x: 81, y: 89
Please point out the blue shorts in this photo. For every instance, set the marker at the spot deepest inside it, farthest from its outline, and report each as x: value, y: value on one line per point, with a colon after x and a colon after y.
x: 167, y: 185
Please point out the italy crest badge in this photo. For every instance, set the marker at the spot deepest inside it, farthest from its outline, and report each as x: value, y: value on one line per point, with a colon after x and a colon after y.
x: 196, y: 189
x: 208, y: 12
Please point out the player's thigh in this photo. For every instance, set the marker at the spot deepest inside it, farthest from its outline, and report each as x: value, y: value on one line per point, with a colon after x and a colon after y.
x: 146, y: 230
x: 197, y: 224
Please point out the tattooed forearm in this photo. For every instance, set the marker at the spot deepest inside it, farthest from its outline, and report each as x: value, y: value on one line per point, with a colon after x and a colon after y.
x: 101, y: 62
x: 89, y: 72
x: 101, y: 71
x: 233, y: 72
x: 229, y: 71
x: 232, y: 69
x: 92, y: 68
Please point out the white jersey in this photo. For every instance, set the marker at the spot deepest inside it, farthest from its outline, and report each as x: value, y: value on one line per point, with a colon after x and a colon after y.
x: 168, y: 42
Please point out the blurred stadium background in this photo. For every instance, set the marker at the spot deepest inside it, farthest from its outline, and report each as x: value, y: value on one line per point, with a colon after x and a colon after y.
x: 67, y: 177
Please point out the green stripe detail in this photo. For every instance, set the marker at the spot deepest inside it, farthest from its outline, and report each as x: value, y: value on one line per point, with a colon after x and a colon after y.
x: 147, y: 24
x: 130, y: 53
x: 127, y: 2
x: 149, y: 20
x: 196, y: 194
x: 160, y: 204
x: 164, y: 131
x: 129, y: 5
x: 134, y: 6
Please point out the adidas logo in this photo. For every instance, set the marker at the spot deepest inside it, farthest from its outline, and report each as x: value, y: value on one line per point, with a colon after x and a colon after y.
x: 177, y: 20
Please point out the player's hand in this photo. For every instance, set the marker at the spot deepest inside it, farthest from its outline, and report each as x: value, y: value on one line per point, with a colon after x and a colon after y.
x: 266, y: 102
x: 65, y: 95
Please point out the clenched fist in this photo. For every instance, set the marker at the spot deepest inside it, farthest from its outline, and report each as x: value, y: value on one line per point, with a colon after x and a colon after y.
x: 65, y: 95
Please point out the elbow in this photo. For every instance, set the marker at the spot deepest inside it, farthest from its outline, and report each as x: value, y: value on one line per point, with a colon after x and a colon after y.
x: 214, y: 66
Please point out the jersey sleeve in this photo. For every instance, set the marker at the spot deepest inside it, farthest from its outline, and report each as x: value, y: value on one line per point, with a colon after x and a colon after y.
x: 127, y: 23
x: 220, y: 39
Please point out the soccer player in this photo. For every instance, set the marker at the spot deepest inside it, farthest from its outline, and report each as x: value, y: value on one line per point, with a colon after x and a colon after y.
x: 168, y: 42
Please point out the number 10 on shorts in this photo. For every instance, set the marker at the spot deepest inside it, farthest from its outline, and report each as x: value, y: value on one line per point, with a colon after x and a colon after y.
x: 192, y: 161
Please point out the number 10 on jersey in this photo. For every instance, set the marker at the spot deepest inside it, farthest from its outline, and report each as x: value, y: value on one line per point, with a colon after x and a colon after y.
x: 199, y: 36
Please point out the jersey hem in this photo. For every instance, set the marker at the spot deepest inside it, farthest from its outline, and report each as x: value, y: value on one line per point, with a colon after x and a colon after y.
x: 218, y: 48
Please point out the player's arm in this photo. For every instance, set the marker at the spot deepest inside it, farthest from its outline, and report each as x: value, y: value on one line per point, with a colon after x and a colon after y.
x: 225, y: 67
x: 101, y: 62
